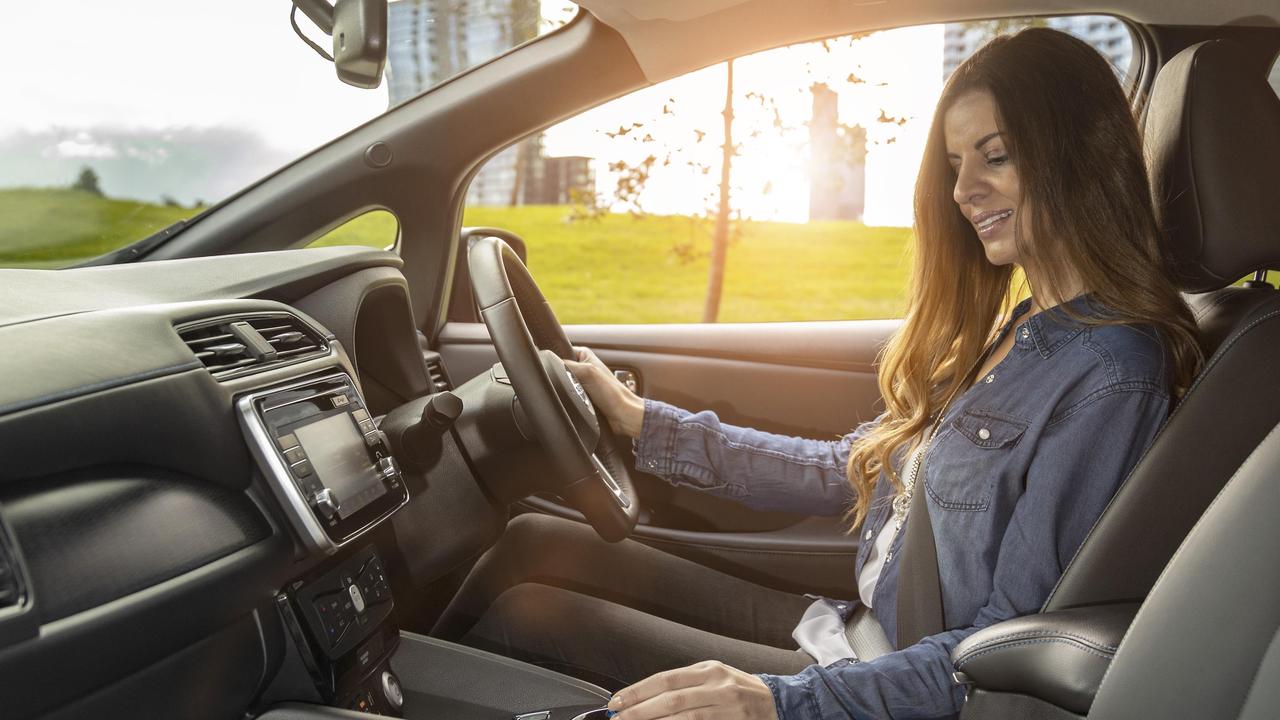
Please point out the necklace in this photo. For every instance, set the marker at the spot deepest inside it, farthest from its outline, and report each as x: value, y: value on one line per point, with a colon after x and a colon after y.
x: 902, y: 501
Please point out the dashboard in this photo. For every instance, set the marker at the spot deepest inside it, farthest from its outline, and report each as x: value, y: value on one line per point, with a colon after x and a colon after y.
x: 198, y: 510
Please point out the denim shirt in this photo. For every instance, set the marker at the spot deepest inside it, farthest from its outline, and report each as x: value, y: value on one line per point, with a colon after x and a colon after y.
x: 1023, y: 463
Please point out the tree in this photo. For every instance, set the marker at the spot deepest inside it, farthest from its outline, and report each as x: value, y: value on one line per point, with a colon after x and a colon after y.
x: 720, y: 235
x: 87, y: 181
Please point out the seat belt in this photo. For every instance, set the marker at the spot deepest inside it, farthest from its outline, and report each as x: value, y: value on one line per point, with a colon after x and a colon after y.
x: 919, y: 589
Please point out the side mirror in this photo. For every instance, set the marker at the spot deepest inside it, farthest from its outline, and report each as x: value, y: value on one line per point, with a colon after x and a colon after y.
x: 359, y: 32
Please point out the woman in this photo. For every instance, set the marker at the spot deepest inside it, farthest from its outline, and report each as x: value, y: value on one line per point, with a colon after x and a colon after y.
x: 1033, y: 161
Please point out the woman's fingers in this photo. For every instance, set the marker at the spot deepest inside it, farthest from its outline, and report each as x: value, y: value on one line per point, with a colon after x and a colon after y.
x: 706, y: 691
x: 652, y: 687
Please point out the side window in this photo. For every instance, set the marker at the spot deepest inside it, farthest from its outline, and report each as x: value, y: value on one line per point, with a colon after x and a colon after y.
x: 774, y: 187
x: 376, y: 228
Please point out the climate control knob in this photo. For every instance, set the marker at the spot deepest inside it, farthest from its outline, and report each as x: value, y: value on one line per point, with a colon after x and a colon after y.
x: 326, y: 502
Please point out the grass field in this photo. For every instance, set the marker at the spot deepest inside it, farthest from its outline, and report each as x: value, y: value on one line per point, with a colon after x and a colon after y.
x: 616, y: 269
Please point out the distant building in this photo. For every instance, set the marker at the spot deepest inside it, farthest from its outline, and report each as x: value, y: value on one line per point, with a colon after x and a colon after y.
x: 430, y: 41
x: 1106, y: 34
x: 837, y: 161
x: 557, y: 177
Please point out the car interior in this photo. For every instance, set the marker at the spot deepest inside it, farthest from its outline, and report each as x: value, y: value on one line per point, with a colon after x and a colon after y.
x: 242, y: 477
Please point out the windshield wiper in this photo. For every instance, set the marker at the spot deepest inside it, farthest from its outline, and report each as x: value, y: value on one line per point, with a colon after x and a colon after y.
x: 136, y: 250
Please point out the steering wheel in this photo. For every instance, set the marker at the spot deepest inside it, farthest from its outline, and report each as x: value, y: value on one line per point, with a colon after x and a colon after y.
x: 579, y: 444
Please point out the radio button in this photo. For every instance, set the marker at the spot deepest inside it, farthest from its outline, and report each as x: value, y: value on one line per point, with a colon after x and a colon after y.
x: 387, y: 467
x: 356, y: 599
x: 327, y: 503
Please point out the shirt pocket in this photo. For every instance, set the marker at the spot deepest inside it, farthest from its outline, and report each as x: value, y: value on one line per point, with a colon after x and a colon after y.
x: 961, y: 467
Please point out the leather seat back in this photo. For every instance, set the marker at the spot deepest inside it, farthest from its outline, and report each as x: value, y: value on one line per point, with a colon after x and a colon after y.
x: 1213, y: 146
x: 1206, y: 643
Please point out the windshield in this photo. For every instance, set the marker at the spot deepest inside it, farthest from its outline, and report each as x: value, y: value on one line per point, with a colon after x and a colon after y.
x: 122, y: 119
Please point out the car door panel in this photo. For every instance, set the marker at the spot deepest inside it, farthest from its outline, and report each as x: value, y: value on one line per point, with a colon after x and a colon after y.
x: 811, y: 379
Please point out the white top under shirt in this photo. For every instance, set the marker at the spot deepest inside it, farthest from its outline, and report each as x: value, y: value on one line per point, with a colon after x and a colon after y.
x: 821, y: 631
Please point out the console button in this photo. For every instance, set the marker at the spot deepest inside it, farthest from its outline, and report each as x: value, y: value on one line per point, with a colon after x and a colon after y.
x: 287, y: 441
x: 366, y: 426
x: 360, y: 414
x: 387, y: 467
x: 340, y: 401
x: 326, y: 502
x: 391, y: 690
x: 357, y: 599
x: 301, y: 469
x: 294, y: 455
x: 376, y: 438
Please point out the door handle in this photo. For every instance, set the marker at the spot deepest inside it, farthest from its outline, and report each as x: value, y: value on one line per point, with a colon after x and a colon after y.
x: 629, y: 378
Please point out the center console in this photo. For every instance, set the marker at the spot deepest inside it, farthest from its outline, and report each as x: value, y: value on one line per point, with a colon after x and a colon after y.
x: 343, y: 625
x: 327, y: 463
x: 332, y: 471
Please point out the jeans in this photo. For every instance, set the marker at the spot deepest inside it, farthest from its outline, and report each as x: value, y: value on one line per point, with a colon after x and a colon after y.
x: 552, y: 593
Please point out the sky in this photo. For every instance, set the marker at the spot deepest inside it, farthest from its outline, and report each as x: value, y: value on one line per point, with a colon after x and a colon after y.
x: 193, y: 102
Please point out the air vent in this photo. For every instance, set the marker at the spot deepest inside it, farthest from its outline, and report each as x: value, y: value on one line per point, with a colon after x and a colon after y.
x: 239, y: 345
x: 435, y: 370
x: 18, y: 620
x: 10, y: 581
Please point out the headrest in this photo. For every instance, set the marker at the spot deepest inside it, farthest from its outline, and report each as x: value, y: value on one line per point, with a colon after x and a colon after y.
x: 1212, y: 139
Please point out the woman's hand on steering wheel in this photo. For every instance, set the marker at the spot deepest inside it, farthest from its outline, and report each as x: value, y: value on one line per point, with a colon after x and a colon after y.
x: 622, y: 408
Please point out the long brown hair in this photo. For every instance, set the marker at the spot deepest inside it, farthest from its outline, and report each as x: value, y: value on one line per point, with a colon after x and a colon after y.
x: 1072, y: 135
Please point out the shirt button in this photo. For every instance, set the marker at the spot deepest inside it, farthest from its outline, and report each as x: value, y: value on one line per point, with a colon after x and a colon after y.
x: 867, y: 536
x: 1025, y: 333
x: 984, y: 433
x: 990, y: 378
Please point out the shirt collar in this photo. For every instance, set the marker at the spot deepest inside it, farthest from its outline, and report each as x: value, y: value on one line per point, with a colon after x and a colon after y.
x: 1050, y: 329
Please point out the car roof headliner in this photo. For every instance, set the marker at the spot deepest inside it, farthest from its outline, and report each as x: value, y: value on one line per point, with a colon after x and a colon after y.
x: 672, y: 37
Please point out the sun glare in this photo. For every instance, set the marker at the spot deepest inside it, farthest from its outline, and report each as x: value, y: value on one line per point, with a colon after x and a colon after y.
x: 887, y: 83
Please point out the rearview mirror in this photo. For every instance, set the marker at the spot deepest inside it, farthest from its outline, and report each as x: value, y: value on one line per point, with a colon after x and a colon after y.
x: 359, y: 32
x: 360, y: 41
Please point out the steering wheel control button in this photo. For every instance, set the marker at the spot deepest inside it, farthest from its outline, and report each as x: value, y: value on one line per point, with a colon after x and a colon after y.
x: 357, y: 599
x: 578, y: 389
x: 327, y: 503
x: 391, y: 689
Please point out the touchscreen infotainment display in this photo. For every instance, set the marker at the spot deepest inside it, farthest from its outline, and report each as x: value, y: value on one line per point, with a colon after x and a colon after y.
x: 337, y: 453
